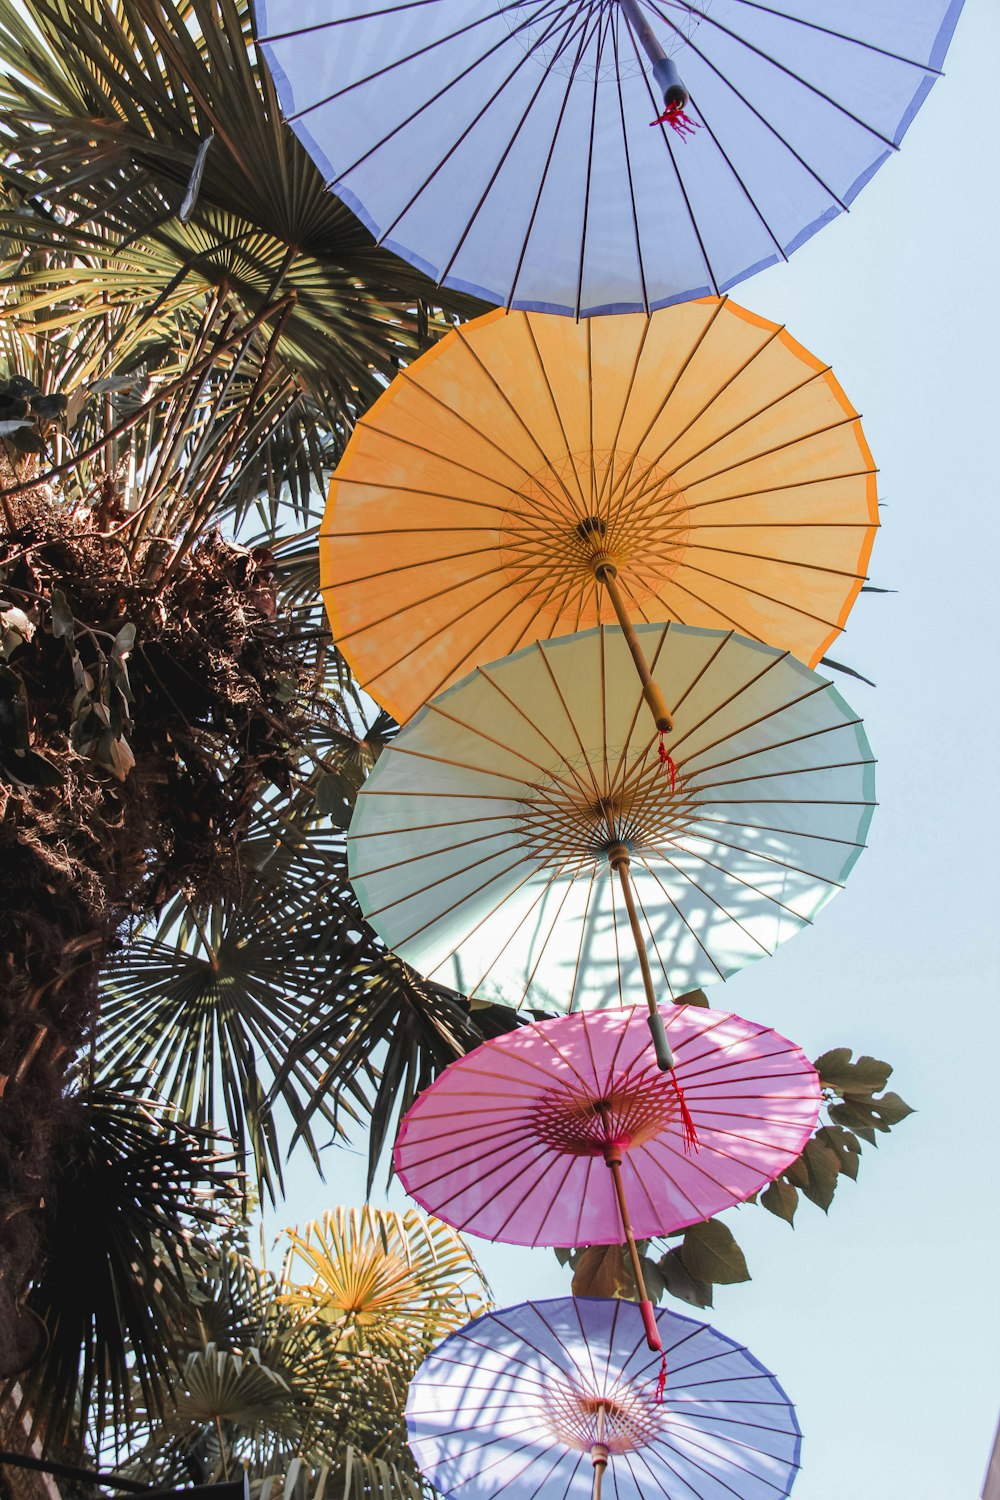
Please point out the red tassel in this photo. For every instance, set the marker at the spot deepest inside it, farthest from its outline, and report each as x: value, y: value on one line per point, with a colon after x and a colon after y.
x: 691, y: 1141
x: 667, y: 761
x: 678, y: 121
x: 661, y: 1380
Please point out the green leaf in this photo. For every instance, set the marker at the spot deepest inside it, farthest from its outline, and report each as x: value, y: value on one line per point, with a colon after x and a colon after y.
x: 865, y: 1116
x: 63, y: 624
x: 710, y: 1253
x: 680, y: 1283
x: 822, y: 1169
x: 693, y: 997
x: 600, y: 1272
x: 866, y: 1076
x: 780, y: 1198
x: 845, y: 1146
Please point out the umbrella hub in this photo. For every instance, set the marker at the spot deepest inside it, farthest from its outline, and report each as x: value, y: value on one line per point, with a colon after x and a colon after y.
x: 629, y: 1112
x: 620, y: 1420
x: 571, y: 821
x: 588, y: 512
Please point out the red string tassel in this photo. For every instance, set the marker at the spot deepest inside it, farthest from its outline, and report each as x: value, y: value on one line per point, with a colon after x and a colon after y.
x: 661, y: 1379
x: 691, y: 1142
x: 678, y: 121
x: 667, y: 762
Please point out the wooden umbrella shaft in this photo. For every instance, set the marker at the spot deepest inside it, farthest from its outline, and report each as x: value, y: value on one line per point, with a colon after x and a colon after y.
x: 650, y: 43
x: 619, y: 862
x: 605, y: 574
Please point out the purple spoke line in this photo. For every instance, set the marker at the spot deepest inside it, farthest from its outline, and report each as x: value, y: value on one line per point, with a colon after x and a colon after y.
x: 586, y: 36
x: 631, y: 183
x: 634, y: 495
x: 723, y: 78
x: 399, y: 62
x: 544, y: 178
x: 839, y: 36
x: 600, y: 34
x: 690, y: 1463
x: 789, y: 72
x: 531, y: 1447
x: 668, y: 144
x: 368, y: 15
x: 731, y: 1443
x: 796, y: 739
x: 573, y: 25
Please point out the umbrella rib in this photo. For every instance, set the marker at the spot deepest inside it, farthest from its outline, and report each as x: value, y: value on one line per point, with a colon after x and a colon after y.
x: 583, y: 43
x: 400, y: 62
x: 714, y: 902
x: 839, y: 36
x: 824, y: 838
x: 775, y: 560
x: 802, y: 437
x: 600, y: 34
x: 543, y: 372
x: 560, y: 779
x: 788, y: 484
x: 766, y: 57
x: 665, y: 137
x: 778, y: 659
x: 796, y: 739
x: 744, y: 422
x: 747, y: 884
x: 412, y: 859
x: 631, y: 188
x: 680, y: 914
x: 840, y: 765
x: 608, y: 484
x: 716, y: 395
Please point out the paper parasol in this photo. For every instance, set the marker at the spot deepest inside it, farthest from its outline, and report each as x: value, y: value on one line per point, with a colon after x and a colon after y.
x: 515, y: 822
x: 510, y: 1141
x: 566, y: 1132
x: 529, y: 477
x: 505, y: 149
x: 542, y: 1397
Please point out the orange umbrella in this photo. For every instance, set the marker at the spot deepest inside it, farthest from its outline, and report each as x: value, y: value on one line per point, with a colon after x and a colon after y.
x: 530, y: 476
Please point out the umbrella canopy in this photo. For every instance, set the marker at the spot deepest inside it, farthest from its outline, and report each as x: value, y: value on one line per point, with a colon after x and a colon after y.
x: 489, y: 843
x: 506, y: 150
x: 528, y: 474
x: 536, y: 1398
x: 510, y: 1142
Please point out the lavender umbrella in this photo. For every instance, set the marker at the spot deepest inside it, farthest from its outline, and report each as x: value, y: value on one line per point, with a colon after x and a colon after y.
x: 505, y: 147
x: 543, y: 1397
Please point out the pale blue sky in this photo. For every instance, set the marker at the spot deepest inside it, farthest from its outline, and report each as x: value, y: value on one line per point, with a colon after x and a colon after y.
x: 882, y: 1321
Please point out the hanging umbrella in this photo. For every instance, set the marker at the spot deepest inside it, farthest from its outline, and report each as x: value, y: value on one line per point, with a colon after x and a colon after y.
x: 543, y: 1397
x: 529, y: 477
x: 510, y: 1140
x: 506, y: 150
x: 515, y: 821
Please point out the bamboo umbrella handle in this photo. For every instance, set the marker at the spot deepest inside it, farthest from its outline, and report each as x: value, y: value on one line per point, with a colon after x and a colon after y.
x: 619, y: 860
x: 613, y: 1159
x: 605, y: 574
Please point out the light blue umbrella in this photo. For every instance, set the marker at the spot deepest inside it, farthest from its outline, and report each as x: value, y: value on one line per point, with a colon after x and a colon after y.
x: 505, y: 146
x: 544, y: 1397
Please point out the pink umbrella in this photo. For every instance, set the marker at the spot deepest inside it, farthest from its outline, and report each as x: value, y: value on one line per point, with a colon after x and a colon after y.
x: 511, y: 1142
